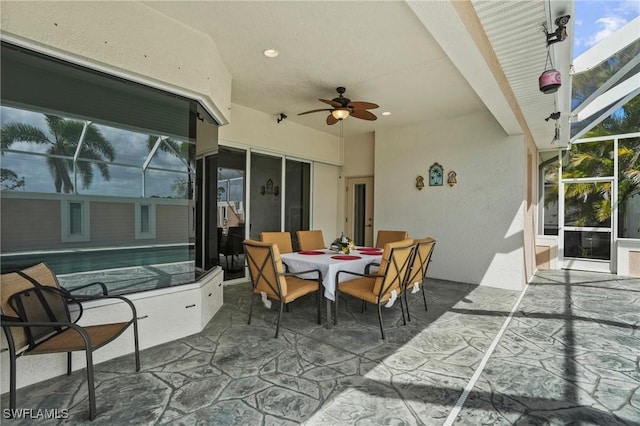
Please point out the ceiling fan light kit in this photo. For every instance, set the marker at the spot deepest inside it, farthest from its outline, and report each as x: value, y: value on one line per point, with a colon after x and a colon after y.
x: 340, y: 113
x: 343, y: 107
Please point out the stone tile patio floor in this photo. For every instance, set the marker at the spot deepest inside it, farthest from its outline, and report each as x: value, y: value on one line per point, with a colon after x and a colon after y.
x: 569, y: 355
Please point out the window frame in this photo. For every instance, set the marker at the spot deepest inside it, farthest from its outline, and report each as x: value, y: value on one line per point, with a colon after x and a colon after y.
x: 151, y: 233
x: 65, y: 220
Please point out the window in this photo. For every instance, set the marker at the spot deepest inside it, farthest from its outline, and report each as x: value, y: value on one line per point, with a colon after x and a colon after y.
x: 145, y: 221
x: 75, y: 221
x: 548, y: 173
x: 109, y: 186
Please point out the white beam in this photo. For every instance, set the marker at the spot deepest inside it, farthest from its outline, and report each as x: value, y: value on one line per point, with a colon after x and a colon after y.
x: 606, y: 48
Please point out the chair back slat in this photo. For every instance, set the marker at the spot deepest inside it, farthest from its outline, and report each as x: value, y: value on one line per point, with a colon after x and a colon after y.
x: 265, y: 268
x: 420, y: 261
x: 281, y: 239
x: 41, y: 304
x: 384, y: 237
x: 310, y: 240
x: 393, y: 267
x: 13, y: 283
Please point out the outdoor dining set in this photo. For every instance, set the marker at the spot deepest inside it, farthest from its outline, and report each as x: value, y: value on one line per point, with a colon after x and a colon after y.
x: 41, y: 317
x: 380, y: 275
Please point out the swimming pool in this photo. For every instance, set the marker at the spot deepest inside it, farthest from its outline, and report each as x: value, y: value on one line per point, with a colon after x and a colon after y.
x: 85, y: 260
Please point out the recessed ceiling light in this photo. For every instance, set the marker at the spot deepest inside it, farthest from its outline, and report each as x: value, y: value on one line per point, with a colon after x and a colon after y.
x: 386, y: 113
x: 271, y: 53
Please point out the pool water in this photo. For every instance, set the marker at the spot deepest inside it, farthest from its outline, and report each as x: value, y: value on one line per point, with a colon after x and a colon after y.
x: 74, y: 261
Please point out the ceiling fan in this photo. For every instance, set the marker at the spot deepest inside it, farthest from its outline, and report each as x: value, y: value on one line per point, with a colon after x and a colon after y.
x: 345, y: 107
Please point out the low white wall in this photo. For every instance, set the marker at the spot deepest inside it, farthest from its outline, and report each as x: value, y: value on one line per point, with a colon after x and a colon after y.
x: 478, y: 224
x: 163, y: 315
x: 624, y: 248
x: 550, y: 241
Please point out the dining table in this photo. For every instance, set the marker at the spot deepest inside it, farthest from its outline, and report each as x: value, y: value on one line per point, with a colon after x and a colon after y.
x: 329, y: 262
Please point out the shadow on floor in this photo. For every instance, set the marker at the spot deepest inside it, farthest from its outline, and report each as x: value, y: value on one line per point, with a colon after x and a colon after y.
x: 568, y: 355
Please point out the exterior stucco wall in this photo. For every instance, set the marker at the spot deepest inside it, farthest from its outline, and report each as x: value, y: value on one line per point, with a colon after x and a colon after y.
x: 111, y: 223
x: 479, y: 223
x: 260, y: 130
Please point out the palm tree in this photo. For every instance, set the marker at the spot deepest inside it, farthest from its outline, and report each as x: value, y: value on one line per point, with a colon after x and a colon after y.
x: 595, y: 159
x: 66, y: 135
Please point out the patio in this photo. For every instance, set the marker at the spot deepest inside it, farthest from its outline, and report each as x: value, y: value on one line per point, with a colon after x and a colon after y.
x: 568, y: 355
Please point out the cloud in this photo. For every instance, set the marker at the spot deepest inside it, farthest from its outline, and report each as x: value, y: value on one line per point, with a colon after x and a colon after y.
x: 630, y: 8
x: 610, y: 25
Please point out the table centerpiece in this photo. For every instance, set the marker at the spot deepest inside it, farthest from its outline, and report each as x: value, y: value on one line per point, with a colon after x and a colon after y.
x: 343, y: 244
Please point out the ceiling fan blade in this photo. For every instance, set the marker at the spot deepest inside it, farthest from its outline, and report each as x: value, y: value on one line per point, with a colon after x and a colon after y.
x: 332, y: 103
x: 331, y: 120
x: 315, y: 110
x: 363, y: 114
x: 362, y: 105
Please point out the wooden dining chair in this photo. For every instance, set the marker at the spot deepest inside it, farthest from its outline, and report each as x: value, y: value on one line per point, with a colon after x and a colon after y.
x: 385, y: 237
x: 310, y: 240
x: 385, y: 285
x: 37, y: 319
x: 270, y: 281
x: 281, y: 239
x: 417, y: 271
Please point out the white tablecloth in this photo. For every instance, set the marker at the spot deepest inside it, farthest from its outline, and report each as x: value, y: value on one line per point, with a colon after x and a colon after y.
x: 329, y: 266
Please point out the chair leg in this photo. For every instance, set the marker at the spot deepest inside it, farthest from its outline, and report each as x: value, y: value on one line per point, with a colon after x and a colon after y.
x: 335, y: 309
x: 135, y: 343
x: 68, y: 363
x: 380, y: 319
x: 406, y: 302
x: 424, y: 297
x: 319, y: 302
x: 12, y: 379
x: 364, y: 306
x: 279, y: 317
x: 90, y: 384
x: 287, y: 307
x: 253, y: 296
x: 402, y: 309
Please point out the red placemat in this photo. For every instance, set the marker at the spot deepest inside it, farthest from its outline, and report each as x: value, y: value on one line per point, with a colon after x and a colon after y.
x: 367, y: 248
x: 345, y: 257
x: 310, y: 252
x: 370, y: 252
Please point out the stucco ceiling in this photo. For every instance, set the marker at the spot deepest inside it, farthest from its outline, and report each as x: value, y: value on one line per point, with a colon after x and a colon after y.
x: 387, y: 52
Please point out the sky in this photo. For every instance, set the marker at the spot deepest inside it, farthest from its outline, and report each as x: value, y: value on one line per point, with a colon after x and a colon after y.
x: 594, y: 20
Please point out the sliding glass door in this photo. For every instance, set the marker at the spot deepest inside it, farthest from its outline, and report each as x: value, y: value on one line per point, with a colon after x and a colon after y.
x: 297, y: 198
x: 230, y: 196
x: 265, y: 194
x: 278, y: 207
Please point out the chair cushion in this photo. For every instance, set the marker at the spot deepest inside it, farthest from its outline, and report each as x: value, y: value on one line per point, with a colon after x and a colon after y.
x: 69, y: 340
x: 282, y: 240
x: 296, y: 287
x: 384, y: 237
x: 420, y: 262
x: 362, y: 288
x: 310, y: 240
x: 402, y: 250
